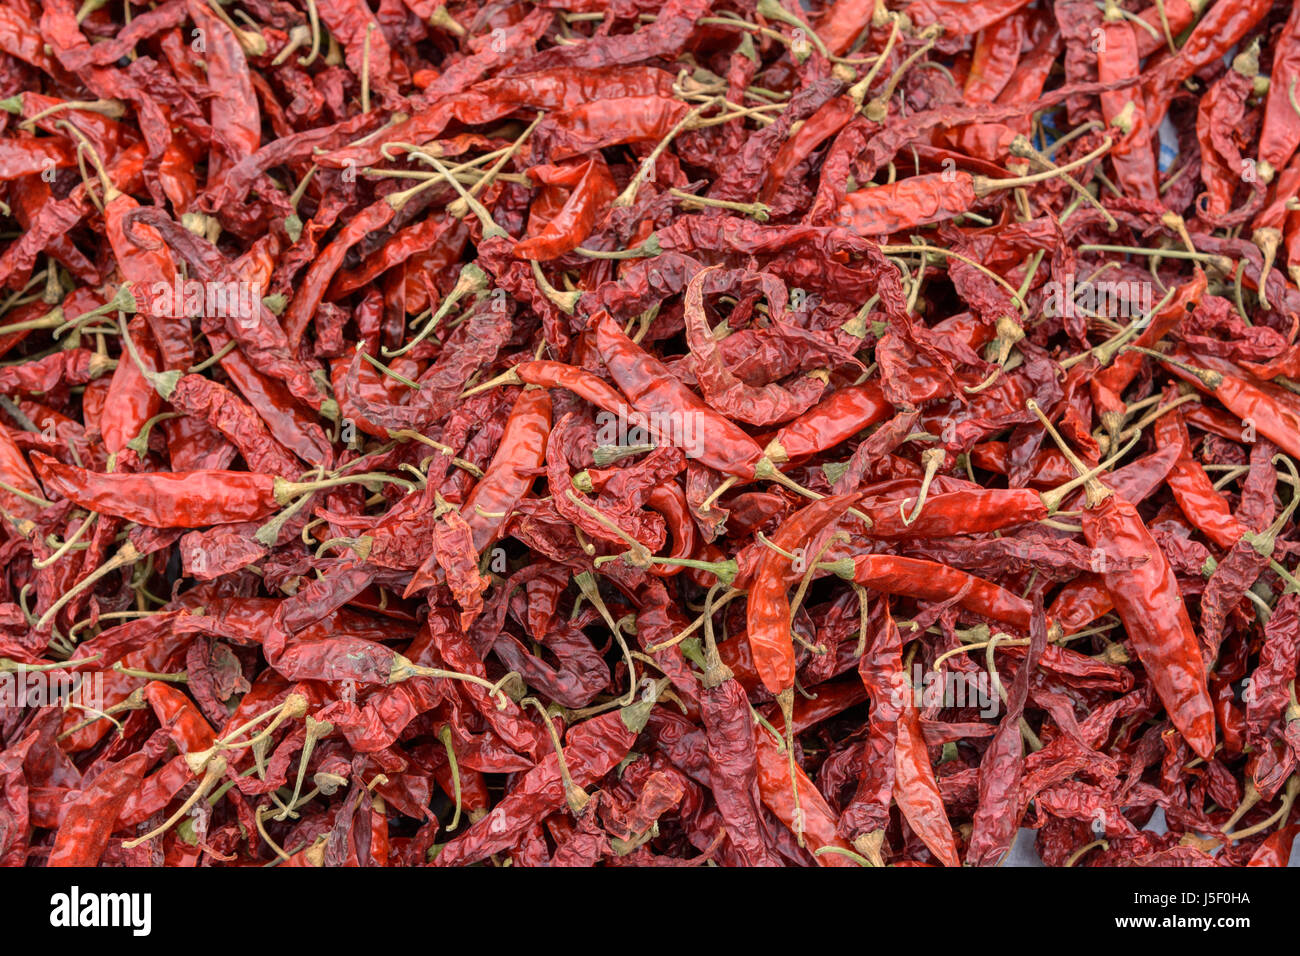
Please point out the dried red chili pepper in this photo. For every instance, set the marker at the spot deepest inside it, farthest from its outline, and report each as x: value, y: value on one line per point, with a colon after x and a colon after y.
x: 768, y: 606
x: 1213, y: 36
x: 1148, y: 601
x: 321, y: 586
x: 1118, y: 59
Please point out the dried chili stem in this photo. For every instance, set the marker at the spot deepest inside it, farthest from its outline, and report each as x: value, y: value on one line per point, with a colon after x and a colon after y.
x: 316, y: 730
x: 927, y: 250
x: 878, y: 108
x: 460, y: 208
x: 216, y: 769
x: 694, y: 625
x: 125, y: 556
x: 444, y: 734
x: 1288, y: 798
x: 575, y: 796
x: 858, y: 91
x: 646, y: 170
x: 590, y: 590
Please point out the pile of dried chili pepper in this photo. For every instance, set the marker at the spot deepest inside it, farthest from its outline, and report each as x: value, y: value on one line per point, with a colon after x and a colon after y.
x: 560, y: 432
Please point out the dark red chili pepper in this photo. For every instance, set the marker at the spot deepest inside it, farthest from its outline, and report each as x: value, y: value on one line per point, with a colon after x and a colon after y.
x: 1149, y: 603
x: 1275, y: 421
x: 768, y: 607
x: 1118, y: 59
x: 87, y: 824
x: 1192, y: 487
x: 811, y: 817
x: 299, y: 309
x: 1280, y: 134
x: 593, y: 748
x: 962, y: 18
x: 1213, y: 36
x: 932, y: 581
x: 662, y: 399
x: 996, y: 57
x: 1109, y: 382
x: 592, y: 189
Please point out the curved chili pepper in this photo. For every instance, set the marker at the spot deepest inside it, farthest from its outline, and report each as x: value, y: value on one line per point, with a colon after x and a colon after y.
x: 1280, y: 134
x: 223, y: 410
x: 1216, y: 33
x: 816, y: 129
x: 506, y: 481
x: 1223, y: 107
x: 962, y: 18
x: 1192, y: 487
x: 1276, y: 422
x: 996, y: 57
x: 165, y: 499
x: 931, y: 581
x: 908, y: 203
x: 916, y: 790
x: 813, y: 818
x: 131, y: 399
x: 959, y: 512
x: 734, y: 762
x: 1149, y: 603
x: 768, y: 607
x: 593, y: 748
x: 17, y: 475
x: 1155, y: 619
x: 669, y: 500
x: 843, y: 23
x: 579, y: 381
x: 606, y: 122
x: 832, y: 421
x: 179, y: 717
x: 1118, y: 59
x: 89, y: 820
x: 317, y: 279
x: 593, y: 189
x: 653, y: 392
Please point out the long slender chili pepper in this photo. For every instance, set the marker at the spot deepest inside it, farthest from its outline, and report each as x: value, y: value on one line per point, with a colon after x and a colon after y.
x: 733, y: 757
x: 180, y: 499
x: 507, y: 479
x: 1117, y: 59
x: 768, y: 606
x: 1276, y: 422
x: 298, y: 306
x: 659, y: 397
x: 1149, y: 604
x: 933, y: 197
x: 1193, y: 489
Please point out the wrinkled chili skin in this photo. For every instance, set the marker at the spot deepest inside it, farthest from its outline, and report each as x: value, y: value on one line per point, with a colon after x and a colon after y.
x: 768, y: 607
x: 916, y: 201
x: 466, y: 435
x: 1193, y: 489
x: 654, y: 392
x: 1278, y: 423
x: 830, y: 422
x: 1216, y: 32
x: 165, y: 500
x: 523, y: 447
x: 733, y: 762
x: 1117, y: 59
x: 817, y: 819
x: 1148, y: 601
x: 899, y: 575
